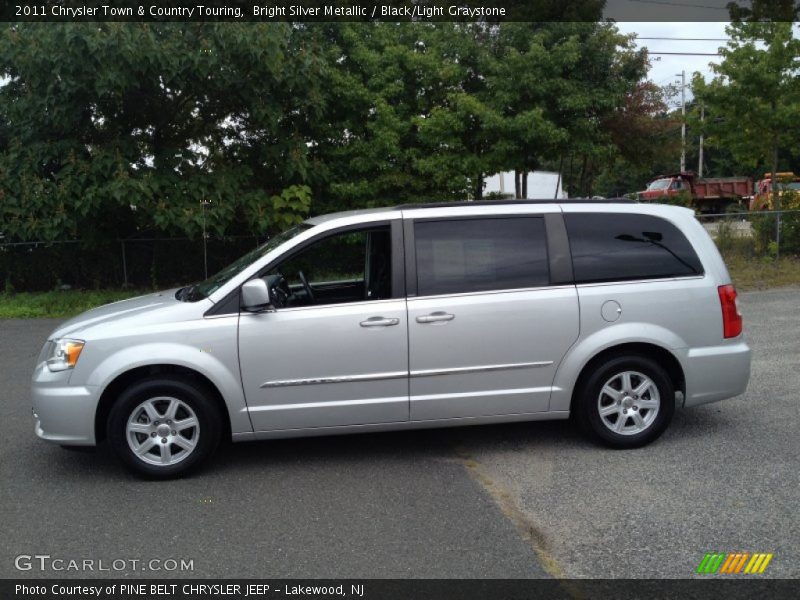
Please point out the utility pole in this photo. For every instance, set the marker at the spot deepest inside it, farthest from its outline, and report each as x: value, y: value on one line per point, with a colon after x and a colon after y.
x: 700, y: 159
x: 683, y: 120
x: 205, y: 203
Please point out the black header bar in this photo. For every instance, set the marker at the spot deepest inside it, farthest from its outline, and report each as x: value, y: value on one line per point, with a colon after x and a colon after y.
x: 383, y: 10
x: 731, y: 588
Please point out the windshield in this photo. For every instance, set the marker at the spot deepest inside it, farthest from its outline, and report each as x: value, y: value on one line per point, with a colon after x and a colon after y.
x: 659, y: 184
x: 213, y: 283
x: 765, y: 186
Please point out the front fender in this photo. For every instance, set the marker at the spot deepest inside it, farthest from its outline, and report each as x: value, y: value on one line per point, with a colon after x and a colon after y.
x: 222, y: 371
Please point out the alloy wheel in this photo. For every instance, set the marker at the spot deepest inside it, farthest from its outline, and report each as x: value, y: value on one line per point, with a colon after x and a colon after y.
x: 162, y: 431
x: 628, y: 403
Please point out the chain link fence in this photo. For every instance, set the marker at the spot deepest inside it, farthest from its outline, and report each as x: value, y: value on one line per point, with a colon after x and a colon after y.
x: 756, y: 234
x: 161, y: 262
x: 153, y: 262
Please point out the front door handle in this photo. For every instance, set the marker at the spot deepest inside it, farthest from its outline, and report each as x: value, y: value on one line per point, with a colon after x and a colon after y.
x: 435, y: 317
x: 379, y: 322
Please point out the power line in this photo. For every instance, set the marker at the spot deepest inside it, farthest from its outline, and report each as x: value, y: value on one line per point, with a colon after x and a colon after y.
x: 683, y: 39
x: 686, y: 53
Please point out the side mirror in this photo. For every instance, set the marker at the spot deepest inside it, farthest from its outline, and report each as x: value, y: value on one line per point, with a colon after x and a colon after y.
x: 255, y: 295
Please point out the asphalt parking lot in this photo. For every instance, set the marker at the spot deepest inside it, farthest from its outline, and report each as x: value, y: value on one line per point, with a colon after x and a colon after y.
x: 525, y: 500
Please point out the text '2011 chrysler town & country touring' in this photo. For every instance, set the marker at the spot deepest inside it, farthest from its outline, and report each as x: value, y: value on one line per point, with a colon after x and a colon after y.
x: 409, y: 317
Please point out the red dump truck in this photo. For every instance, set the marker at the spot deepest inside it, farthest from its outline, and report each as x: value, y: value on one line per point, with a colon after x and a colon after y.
x: 710, y: 195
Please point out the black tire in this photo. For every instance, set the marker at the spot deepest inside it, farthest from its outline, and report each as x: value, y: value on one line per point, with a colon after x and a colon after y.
x: 588, y: 401
x: 191, y: 396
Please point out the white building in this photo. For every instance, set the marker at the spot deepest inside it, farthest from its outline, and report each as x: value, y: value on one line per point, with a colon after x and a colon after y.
x: 541, y: 185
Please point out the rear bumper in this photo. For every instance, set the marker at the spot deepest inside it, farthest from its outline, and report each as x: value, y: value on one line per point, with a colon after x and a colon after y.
x: 64, y: 414
x: 716, y: 373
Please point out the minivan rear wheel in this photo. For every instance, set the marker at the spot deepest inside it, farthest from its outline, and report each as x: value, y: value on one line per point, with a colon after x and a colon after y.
x: 164, y: 427
x: 626, y: 402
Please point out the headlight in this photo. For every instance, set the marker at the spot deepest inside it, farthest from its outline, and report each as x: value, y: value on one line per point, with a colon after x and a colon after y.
x: 64, y: 354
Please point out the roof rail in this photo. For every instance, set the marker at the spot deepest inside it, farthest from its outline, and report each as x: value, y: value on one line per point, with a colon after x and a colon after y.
x: 512, y: 202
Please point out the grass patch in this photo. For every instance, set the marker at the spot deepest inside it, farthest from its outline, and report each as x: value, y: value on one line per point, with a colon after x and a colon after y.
x: 750, y: 273
x: 34, y: 305
x: 750, y: 261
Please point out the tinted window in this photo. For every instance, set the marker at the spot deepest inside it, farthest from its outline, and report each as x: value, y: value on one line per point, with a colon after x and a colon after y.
x: 350, y: 266
x: 472, y: 255
x: 610, y: 247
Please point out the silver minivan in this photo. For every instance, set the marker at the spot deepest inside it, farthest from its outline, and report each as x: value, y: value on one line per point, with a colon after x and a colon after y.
x: 409, y: 317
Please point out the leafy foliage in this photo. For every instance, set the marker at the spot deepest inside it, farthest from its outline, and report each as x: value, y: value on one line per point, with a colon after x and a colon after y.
x: 116, y: 130
x: 765, y: 10
x: 753, y: 102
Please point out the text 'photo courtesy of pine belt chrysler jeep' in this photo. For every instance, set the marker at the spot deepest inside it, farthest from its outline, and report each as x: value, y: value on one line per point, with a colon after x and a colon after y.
x: 409, y: 317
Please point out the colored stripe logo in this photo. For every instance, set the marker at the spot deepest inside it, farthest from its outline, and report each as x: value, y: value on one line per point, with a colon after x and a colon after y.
x: 731, y: 563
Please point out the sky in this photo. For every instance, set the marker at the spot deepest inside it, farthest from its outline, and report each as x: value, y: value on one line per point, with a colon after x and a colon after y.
x: 704, y: 38
x: 666, y: 69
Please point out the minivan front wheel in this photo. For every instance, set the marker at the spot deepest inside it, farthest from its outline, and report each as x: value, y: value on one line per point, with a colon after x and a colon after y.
x: 627, y: 402
x: 163, y: 427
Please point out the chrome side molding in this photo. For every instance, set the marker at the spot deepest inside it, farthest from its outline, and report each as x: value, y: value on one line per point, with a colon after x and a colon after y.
x: 338, y: 379
x: 398, y: 374
x: 480, y: 369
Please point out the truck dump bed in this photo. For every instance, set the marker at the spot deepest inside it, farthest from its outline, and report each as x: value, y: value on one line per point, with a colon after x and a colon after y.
x: 723, y: 187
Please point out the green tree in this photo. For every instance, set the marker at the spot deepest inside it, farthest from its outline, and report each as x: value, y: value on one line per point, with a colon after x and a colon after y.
x: 754, y: 99
x: 112, y: 129
x: 647, y: 138
x: 380, y: 78
x: 115, y: 127
x: 529, y: 95
x: 463, y: 132
x: 564, y: 88
x: 765, y: 10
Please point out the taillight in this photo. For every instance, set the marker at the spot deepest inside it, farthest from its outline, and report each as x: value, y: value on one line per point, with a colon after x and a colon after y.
x: 731, y: 317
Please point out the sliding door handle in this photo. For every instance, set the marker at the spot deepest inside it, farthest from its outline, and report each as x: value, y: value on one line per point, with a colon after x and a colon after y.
x: 379, y: 322
x: 436, y: 317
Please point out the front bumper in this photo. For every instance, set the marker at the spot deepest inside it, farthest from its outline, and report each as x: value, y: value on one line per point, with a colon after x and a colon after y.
x: 64, y: 413
x: 716, y: 373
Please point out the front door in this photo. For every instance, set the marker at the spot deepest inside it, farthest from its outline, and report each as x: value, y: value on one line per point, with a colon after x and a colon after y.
x: 336, y: 352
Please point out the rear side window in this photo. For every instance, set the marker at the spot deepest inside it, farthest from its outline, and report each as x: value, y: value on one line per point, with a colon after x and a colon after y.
x: 474, y: 255
x: 619, y: 247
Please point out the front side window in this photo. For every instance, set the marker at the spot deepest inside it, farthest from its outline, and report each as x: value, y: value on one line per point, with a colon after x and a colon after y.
x: 474, y: 255
x: 620, y: 247
x: 216, y: 281
x: 349, y: 266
